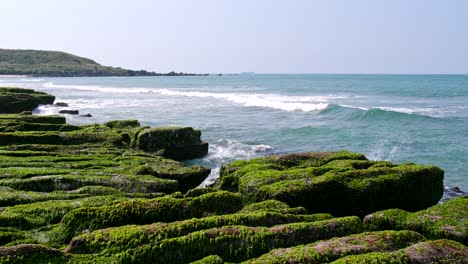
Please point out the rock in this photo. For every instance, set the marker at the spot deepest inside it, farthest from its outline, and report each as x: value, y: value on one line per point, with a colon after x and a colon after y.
x: 30, y: 253
x: 26, y: 113
x: 238, y: 243
x: 187, y: 179
x: 86, y: 115
x: 120, y: 239
x: 212, y: 259
x: 61, y: 104
x: 17, y: 100
x: 122, y: 124
x: 340, y: 183
x: 70, y: 112
x: 178, y: 143
x: 329, y: 250
x: 452, y: 192
x: 438, y: 251
x: 164, y: 209
x: 448, y: 220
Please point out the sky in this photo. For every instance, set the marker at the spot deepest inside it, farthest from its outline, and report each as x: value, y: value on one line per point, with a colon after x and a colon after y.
x: 263, y: 36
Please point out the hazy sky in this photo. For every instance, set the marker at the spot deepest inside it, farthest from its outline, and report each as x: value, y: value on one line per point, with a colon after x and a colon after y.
x: 287, y: 36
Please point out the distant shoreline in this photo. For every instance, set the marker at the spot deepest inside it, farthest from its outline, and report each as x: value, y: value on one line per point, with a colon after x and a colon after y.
x: 13, y: 76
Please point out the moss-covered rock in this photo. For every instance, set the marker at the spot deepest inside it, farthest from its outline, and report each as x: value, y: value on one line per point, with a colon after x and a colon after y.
x: 30, y: 253
x: 333, y: 249
x: 273, y: 206
x: 34, y: 215
x: 120, y: 239
x: 239, y: 243
x: 178, y: 143
x: 340, y: 183
x: 448, y: 220
x: 212, y: 259
x: 41, y: 157
x: 17, y: 100
x: 119, y: 124
x: 437, y: 251
x: 164, y: 209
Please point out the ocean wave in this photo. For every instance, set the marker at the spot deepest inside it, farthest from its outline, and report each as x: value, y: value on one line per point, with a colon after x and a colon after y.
x: 371, y: 113
x: 224, y: 151
x: 274, y: 101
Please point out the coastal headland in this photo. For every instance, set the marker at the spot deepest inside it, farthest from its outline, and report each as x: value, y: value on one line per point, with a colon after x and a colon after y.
x: 119, y: 192
x: 41, y: 63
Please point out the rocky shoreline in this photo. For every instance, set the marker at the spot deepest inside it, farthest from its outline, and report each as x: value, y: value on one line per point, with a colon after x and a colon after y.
x: 119, y: 193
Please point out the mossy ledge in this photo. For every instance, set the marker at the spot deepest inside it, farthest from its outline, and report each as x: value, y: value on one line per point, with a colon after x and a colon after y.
x: 340, y: 183
x: 119, y: 193
x: 448, y: 220
x: 16, y: 100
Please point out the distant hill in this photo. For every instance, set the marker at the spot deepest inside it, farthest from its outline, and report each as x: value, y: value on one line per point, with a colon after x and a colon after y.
x: 61, y: 64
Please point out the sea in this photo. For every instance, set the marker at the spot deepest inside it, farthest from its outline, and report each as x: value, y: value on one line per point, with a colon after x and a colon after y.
x: 398, y: 118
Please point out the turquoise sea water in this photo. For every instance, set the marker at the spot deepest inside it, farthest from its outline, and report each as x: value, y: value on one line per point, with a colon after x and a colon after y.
x: 400, y: 118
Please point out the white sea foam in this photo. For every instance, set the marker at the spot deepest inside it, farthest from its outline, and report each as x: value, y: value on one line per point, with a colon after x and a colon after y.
x: 275, y: 101
x: 420, y: 111
x: 224, y: 151
x: 46, y: 110
x: 407, y: 110
x: 32, y: 80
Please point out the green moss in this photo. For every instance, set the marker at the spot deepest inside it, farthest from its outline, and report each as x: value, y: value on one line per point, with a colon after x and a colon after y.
x: 333, y: 249
x: 90, y: 259
x: 35, y: 119
x: 122, y: 124
x: 447, y: 220
x: 273, y: 205
x: 179, y: 143
x: 28, y: 216
x: 212, y: 259
x: 17, y: 100
x: 9, y: 235
x: 164, y: 209
x: 438, y: 251
x: 340, y: 183
x: 238, y: 243
x: 30, y: 254
x: 119, y: 239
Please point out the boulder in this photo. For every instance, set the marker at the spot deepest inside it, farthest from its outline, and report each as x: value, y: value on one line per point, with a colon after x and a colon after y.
x: 448, y: 220
x: 187, y: 179
x: 86, y: 115
x: 164, y: 209
x: 61, y: 104
x: 120, y: 239
x: 17, y: 100
x: 329, y: 250
x: 178, y: 143
x: 122, y: 124
x: 238, y: 243
x: 340, y: 183
x: 69, y: 112
x: 437, y: 251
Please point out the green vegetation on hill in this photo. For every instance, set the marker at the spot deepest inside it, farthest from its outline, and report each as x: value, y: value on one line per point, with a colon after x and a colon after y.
x: 60, y: 64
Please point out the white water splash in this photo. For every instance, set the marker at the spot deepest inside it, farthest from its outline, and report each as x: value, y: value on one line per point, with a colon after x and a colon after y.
x: 225, y: 150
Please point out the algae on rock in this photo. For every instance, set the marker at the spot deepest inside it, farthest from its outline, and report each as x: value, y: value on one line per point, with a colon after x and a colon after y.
x: 340, y: 183
x: 448, y: 220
